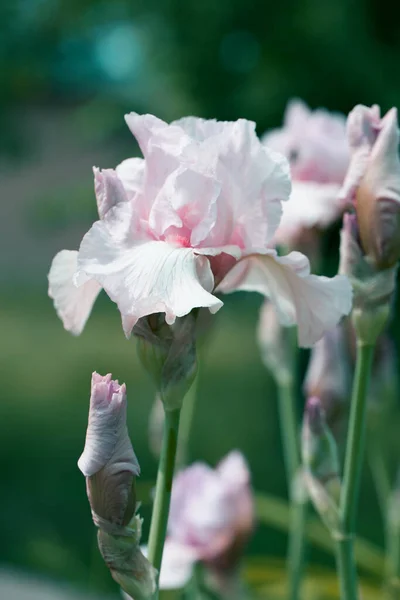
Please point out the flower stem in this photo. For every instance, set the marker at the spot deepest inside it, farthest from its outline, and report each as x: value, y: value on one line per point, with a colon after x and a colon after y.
x: 298, y: 507
x: 352, y: 473
x: 158, y: 527
x: 185, y: 428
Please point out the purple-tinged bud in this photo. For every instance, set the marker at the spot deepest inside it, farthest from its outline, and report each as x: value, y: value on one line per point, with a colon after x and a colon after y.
x: 328, y: 375
x: 275, y: 343
x: 168, y: 353
x: 318, y: 447
x: 108, y: 460
x: 321, y: 463
x: 110, y: 467
x: 372, y: 183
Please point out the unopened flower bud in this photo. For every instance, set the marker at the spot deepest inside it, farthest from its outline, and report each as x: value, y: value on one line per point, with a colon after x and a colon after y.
x: 110, y: 467
x: 328, y: 376
x: 321, y: 463
x: 128, y: 565
x: 275, y: 343
x: 372, y: 183
x: 168, y: 352
x: 373, y: 289
x: 318, y: 446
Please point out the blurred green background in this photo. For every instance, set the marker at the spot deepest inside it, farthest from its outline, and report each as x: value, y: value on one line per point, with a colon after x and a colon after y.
x: 69, y: 71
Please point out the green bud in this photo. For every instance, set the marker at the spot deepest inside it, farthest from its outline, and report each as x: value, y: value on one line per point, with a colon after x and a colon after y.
x: 168, y: 353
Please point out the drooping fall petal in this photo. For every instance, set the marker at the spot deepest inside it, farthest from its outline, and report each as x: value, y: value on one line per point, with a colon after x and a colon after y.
x: 73, y: 304
x: 314, y: 303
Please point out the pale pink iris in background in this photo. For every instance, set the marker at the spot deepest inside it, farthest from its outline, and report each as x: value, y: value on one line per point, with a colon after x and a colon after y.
x: 196, y: 216
x: 315, y: 144
x: 211, y: 519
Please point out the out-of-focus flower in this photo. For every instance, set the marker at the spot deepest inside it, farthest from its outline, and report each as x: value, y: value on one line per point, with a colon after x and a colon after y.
x: 373, y: 182
x: 313, y: 141
x: 195, y: 216
x: 110, y: 467
x: 328, y: 375
x: 211, y: 518
x: 315, y: 144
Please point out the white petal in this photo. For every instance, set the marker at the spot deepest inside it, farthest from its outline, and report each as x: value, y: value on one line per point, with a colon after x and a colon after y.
x: 148, y: 277
x: 315, y: 303
x: 131, y: 173
x: 73, y: 304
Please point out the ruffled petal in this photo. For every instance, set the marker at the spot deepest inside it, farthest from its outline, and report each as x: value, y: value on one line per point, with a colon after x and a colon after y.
x: 73, y: 304
x: 108, y: 189
x: 188, y: 200
x: 315, y: 303
x: 148, y: 277
x: 144, y: 127
x: 201, y: 129
x: 131, y: 173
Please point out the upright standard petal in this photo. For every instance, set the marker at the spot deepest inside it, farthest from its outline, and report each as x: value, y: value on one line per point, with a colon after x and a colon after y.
x: 314, y: 303
x: 73, y: 304
x: 131, y: 172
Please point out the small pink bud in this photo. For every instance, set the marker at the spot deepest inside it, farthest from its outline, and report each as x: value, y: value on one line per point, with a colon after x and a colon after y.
x: 110, y: 467
x: 108, y: 460
x: 319, y: 450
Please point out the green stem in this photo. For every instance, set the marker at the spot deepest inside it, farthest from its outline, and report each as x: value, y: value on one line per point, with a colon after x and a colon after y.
x: 298, y: 508
x: 380, y: 474
x: 352, y: 473
x: 159, y: 520
x: 185, y: 427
